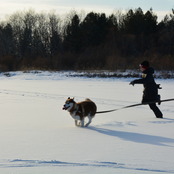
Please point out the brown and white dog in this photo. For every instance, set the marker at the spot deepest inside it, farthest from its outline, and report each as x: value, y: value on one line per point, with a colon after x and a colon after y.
x: 80, y: 110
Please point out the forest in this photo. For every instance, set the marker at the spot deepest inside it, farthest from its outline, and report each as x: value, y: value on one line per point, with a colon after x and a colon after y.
x: 92, y: 41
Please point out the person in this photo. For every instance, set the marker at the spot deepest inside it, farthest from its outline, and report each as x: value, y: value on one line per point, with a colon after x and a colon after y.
x: 150, y: 93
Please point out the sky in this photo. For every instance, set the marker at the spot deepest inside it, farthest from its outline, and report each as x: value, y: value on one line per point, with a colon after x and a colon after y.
x: 62, y: 7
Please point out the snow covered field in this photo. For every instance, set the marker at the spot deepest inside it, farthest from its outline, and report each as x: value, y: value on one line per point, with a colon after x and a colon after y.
x: 38, y: 137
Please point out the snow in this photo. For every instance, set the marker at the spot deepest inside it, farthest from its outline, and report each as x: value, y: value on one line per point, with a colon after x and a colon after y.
x: 38, y: 137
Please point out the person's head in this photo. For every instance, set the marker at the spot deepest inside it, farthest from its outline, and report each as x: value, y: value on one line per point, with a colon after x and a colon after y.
x: 144, y: 65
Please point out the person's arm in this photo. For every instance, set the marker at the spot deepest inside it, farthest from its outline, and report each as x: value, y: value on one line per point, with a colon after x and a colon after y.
x: 143, y: 80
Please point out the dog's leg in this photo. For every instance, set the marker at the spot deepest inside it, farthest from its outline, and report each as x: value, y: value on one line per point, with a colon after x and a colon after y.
x: 77, y: 120
x: 76, y: 123
x: 81, y: 123
x: 90, y: 120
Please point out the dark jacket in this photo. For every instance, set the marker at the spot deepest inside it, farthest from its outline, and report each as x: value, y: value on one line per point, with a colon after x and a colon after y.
x: 150, y: 92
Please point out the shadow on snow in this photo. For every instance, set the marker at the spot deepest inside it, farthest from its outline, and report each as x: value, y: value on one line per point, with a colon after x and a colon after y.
x: 135, y: 137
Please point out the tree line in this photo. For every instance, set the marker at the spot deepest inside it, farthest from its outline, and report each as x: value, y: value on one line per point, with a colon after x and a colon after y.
x: 30, y: 40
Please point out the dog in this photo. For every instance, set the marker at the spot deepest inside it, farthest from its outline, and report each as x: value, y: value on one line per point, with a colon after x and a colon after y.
x: 79, y: 111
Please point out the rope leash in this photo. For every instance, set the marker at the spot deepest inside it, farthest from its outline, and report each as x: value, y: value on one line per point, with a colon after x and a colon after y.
x: 130, y: 106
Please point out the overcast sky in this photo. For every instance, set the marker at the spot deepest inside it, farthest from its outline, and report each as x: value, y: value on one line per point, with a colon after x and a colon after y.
x: 160, y: 7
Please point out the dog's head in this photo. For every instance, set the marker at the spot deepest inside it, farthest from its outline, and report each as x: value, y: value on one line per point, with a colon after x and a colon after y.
x: 69, y: 103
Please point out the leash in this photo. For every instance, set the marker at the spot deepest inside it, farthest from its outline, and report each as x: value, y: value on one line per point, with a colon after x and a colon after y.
x: 130, y: 106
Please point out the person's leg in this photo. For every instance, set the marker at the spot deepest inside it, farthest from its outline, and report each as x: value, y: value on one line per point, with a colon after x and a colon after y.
x: 156, y: 110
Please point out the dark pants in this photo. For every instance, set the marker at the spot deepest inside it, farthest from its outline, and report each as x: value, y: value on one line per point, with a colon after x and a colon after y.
x: 156, y: 110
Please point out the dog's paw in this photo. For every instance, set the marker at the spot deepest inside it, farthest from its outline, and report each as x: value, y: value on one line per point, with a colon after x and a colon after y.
x: 78, y: 124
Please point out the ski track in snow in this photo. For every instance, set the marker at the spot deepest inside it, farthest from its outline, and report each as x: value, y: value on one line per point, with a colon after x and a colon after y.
x: 60, y: 97
x: 111, y: 102
x: 19, y: 163
x: 31, y: 94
